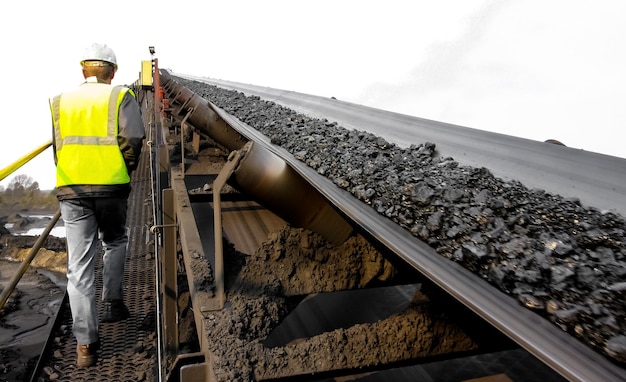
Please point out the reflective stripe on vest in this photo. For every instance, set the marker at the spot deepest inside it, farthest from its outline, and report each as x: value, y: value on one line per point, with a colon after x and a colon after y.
x: 86, y: 128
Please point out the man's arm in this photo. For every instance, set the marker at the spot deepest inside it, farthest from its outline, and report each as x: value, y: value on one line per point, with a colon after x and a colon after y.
x: 54, y: 136
x: 131, y: 131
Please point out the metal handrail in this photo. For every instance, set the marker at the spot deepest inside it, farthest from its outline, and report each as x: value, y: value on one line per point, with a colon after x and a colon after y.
x: 23, y: 160
x: 6, y: 292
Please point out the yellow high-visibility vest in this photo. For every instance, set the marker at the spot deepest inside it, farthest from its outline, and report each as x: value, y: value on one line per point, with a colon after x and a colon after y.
x: 86, y: 127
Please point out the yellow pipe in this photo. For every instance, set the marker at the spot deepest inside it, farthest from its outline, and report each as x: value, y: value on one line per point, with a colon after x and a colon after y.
x: 23, y: 160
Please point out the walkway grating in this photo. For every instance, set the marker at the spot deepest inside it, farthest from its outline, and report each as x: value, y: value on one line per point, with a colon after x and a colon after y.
x: 128, y: 351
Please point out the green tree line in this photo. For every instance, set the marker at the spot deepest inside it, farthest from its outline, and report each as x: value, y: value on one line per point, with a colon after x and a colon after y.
x: 23, y: 193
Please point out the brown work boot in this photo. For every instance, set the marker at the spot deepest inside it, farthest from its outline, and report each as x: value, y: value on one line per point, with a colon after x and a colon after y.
x: 87, y: 355
x: 114, y: 310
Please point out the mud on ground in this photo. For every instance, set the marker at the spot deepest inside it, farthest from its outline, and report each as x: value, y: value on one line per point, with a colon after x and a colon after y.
x: 264, y: 288
x: 32, y: 307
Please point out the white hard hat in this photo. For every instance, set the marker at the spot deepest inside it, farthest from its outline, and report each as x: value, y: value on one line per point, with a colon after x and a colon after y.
x: 98, y: 53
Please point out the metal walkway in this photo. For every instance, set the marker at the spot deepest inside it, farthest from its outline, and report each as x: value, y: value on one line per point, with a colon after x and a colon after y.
x: 128, y: 348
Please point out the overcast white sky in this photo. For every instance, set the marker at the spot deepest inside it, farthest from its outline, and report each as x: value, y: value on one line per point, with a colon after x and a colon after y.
x: 536, y: 69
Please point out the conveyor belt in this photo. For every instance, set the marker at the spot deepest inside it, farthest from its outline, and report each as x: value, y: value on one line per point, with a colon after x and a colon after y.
x: 557, y: 349
x: 128, y: 351
x: 595, y: 179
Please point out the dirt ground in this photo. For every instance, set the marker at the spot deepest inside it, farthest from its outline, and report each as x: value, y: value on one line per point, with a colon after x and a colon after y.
x: 31, y: 309
x: 247, y: 342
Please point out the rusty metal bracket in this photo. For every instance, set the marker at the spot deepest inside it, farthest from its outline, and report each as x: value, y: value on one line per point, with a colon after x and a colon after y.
x: 169, y: 283
x: 233, y: 161
x: 183, y: 124
x: 189, y: 367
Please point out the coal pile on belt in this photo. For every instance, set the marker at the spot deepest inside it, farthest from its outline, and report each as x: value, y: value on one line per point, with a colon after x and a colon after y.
x: 562, y: 260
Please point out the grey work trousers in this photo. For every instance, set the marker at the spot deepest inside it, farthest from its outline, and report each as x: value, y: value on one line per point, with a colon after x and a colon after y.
x: 86, y: 221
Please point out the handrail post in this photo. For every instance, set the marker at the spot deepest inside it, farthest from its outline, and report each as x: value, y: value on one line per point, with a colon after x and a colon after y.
x: 26, y: 263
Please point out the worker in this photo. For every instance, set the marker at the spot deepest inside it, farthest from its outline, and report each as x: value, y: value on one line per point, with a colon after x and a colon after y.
x: 98, y: 135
